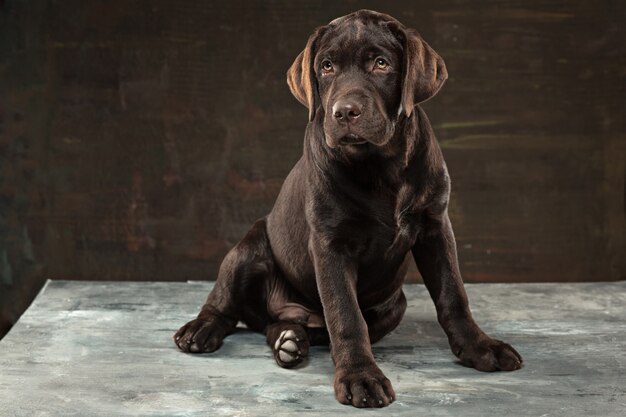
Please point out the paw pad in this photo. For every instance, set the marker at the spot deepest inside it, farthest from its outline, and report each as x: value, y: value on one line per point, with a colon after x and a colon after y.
x: 286, y: 348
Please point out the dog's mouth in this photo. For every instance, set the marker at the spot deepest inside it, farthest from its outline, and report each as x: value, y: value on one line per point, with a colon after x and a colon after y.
x: 352, y: 139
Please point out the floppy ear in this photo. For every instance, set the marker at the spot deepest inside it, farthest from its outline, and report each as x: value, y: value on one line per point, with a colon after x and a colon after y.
x: 301, y: 75
x: 424, y: 71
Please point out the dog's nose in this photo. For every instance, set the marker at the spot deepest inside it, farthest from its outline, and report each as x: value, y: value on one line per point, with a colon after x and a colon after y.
x: 346, y: 111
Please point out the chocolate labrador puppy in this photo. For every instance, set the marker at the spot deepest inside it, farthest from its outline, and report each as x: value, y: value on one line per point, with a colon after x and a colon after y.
x: 327, y: 264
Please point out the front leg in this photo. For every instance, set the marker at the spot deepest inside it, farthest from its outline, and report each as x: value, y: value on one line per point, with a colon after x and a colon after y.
x: 358, y: 380
x: 436, y: 258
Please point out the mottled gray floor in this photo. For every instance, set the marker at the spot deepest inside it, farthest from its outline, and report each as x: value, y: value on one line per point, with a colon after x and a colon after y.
x: 89, y: 348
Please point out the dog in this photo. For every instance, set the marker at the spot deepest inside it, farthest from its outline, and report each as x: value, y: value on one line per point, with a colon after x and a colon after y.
x: 371, y: 190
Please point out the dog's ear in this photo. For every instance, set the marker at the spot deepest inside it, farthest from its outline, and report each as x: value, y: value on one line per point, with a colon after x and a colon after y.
x: 301, y: 75
x: 423, y: 69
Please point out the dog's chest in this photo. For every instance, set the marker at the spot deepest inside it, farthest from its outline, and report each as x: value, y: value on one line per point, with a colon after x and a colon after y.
x: 367, y: 218
x: 387, y: 222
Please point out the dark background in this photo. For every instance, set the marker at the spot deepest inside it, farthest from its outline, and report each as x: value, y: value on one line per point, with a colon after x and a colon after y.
x: 140, y: 139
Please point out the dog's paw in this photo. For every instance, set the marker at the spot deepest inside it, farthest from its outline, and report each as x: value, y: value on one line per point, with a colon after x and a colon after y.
x: 488, y: 355
x: 291, y: 347
x: 201, y: 335
x: 365, y: 388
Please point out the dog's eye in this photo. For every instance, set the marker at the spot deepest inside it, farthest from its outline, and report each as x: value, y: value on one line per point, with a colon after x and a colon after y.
x: 327, y: 66
x: 381, y: 63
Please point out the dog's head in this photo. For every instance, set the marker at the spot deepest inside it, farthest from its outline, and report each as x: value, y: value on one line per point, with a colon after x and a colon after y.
x: 365, y: 70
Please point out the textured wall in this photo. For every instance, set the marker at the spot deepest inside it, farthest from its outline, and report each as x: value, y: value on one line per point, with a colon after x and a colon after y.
x: 140, y: 139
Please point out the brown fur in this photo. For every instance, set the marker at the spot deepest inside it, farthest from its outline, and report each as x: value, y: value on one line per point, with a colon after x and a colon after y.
x: 371, y: 189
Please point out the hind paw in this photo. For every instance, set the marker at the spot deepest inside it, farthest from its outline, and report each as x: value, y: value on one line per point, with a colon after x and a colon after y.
x: 290, y: 348
x: 201, y: 335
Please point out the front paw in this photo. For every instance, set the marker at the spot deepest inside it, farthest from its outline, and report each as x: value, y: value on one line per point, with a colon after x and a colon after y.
x: 367, y: 387
x: 487, y: 354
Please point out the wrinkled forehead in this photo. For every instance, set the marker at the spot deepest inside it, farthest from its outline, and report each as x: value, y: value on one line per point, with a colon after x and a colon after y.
x: 352, y: 33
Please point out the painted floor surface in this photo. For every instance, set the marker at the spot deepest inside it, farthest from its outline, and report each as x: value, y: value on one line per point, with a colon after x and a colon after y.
x: 93, y: 348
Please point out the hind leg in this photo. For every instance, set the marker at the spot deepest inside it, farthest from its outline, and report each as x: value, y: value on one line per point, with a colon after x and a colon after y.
x: 382, y: 320
x: 289, y: 343
x: 203, y: 334
x: 238, y: 291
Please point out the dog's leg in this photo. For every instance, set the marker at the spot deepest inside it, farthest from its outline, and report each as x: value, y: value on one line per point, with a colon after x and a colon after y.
x: 358, y: 380
x: 289, y: 343
x: 238, y: 294
x: 436, y: 258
